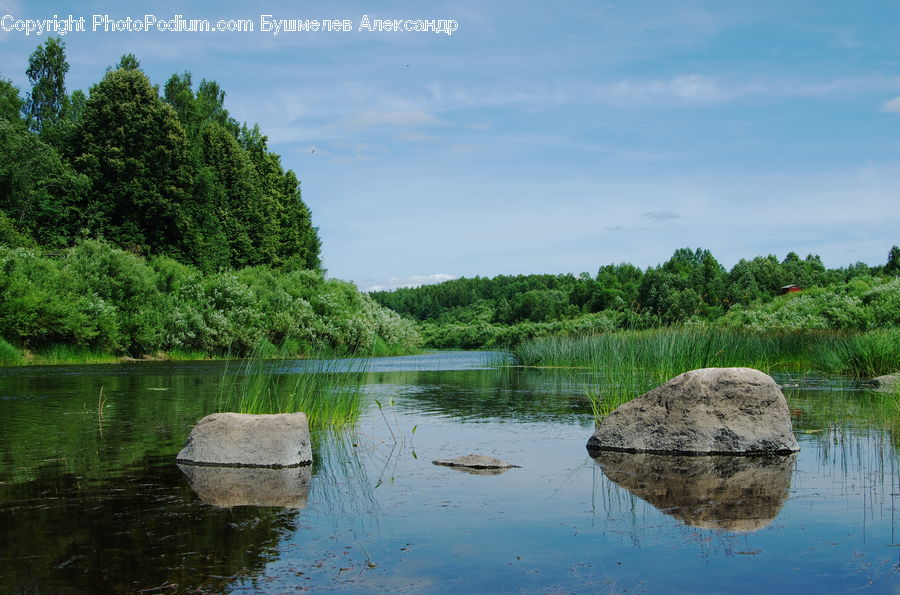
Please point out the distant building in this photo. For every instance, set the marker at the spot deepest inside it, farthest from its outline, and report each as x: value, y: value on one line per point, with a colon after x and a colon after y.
x: 790, y: 289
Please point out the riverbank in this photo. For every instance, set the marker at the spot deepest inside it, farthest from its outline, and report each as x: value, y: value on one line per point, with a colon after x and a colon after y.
x: 97, y: 303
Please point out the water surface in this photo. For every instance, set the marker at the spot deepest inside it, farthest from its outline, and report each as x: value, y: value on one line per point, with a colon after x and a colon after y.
x: 92, y: 501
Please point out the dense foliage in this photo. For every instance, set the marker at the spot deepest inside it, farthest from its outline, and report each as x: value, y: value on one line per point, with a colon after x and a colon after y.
x: 171, y: 174
x: 104, y: 298
x: 690, y: 287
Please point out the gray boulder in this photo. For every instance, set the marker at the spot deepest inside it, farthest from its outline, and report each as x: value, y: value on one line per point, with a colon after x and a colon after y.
x: 245, y: 440
x: 708, y: 411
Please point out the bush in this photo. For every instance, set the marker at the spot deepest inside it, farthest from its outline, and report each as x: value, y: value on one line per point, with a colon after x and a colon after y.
x: 105, y: 299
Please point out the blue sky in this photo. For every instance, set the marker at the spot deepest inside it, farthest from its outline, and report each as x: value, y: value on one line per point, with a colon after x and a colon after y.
x: 550, y: 137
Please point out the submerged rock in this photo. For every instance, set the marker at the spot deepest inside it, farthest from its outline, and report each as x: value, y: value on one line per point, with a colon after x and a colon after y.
x: 245, y: 440
x: 707, y: 411
x: 287, y: 487
x: 731, y: 492
x: 477, y: 464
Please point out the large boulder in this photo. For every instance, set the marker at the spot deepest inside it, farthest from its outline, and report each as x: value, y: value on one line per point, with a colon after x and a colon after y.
x: 708, y: 411
x: 245, y: 440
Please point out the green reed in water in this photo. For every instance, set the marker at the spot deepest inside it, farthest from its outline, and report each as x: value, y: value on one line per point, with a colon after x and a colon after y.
x: 633, y: 362
x: 328, y: 390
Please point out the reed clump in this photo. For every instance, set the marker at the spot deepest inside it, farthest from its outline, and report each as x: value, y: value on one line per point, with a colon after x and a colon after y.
x: 632, y: 362
x: 327, y: 389
x: 863, y: 355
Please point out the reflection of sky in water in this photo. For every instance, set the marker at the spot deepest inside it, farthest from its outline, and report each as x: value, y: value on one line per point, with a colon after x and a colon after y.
x: 560, y: 522
x: 380, y: 517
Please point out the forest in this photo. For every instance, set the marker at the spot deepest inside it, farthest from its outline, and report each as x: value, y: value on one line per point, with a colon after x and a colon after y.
x: 153, y: 171
x: 692, y: 287
x: 136, y: 219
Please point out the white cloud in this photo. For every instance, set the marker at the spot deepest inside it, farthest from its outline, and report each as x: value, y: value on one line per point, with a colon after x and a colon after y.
x: 892, y: 106
x: 410, y: 281
x: 661, y: 215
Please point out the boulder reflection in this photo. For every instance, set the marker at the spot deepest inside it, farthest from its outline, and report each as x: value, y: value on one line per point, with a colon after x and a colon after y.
x: 736, y: 493
x: 249, y: 486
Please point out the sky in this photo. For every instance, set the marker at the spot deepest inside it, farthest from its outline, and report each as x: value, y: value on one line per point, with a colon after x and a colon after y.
x: 546, y: 137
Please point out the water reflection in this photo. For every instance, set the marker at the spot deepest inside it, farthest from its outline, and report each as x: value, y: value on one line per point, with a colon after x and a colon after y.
x: 139, y: 531
x: 736, y: 493
x: 249, y: 486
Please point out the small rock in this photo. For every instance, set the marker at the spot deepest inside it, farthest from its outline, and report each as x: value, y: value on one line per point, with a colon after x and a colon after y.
x: 886, y: 383
x: 246, y: 440
x: 477, y: 462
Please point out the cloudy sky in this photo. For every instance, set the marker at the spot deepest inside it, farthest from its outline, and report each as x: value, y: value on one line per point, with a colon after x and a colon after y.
x: 549, y: 137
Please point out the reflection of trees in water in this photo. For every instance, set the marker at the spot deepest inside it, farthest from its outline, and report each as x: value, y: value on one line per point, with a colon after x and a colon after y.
x: 53, y: 414
x: 141, y: 529
x: 504, y: 393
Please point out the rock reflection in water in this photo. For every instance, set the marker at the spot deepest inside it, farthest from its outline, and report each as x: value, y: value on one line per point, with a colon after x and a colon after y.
x: 250, y: 486
x: 737, y: 493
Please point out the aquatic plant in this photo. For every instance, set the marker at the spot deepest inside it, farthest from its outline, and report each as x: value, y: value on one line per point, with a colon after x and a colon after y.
x: 632, y: 362
x: 327, y: 389
x: 862, y: 355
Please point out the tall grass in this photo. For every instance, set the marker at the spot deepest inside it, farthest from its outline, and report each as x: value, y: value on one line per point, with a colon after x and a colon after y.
x: 863, y: 355
x: 73, y: 354
x: 10, y: 355
x: 328, y: 390
x: 633, y: 362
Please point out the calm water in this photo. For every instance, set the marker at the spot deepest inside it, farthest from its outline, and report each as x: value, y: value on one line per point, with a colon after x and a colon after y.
x: 91, y: 500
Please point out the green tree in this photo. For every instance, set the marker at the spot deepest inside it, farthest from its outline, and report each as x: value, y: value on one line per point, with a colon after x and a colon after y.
x: 134, y: 150
x: 692, y: 282
x: 128, y: 62
x: 10, y: 102
x: 892, y: 267
x: 47, y: 68
x: 39, y: 191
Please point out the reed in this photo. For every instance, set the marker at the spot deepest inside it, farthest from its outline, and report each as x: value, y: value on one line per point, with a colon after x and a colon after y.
x: 63, y: 354
x: 632, y: 362
x: 327, y: 389
x: 862, y: 355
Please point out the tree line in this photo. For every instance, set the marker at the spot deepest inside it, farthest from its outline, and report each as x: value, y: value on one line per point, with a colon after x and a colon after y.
x: 691, y: 284
x: 154, y: 171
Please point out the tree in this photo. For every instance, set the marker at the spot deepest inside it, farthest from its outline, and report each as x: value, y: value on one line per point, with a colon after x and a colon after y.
x: 39, y: 192
x: 134, y: 150
x: 47, y: 68
x: 691, y: 282
x: 892, y: 267
x: 128, y: 62
x: 10, y: 101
